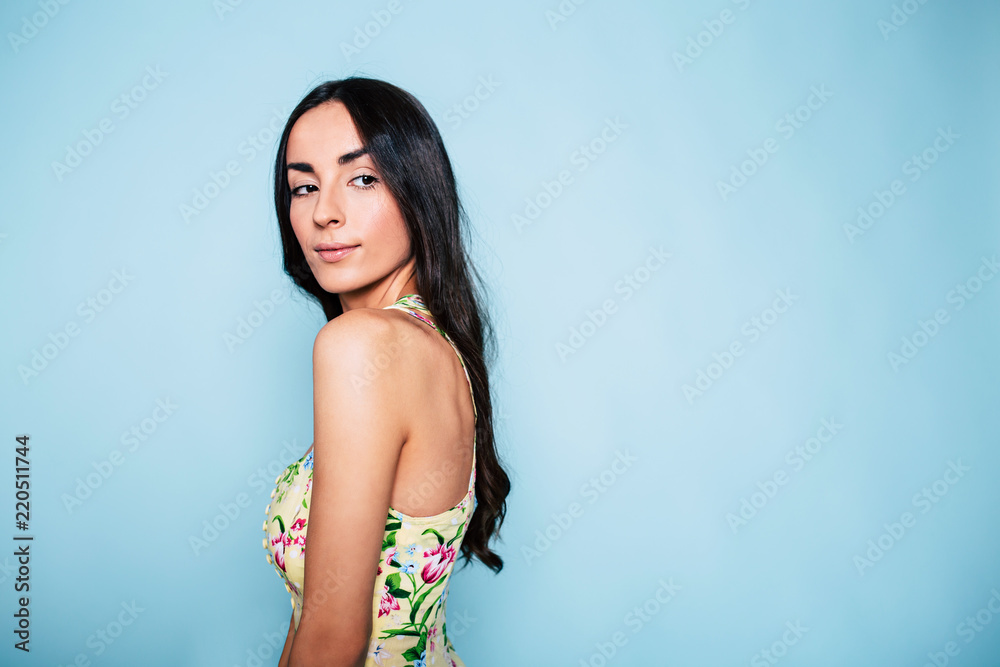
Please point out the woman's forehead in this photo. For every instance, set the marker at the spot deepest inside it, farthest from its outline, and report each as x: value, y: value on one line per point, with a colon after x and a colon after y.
x: 326, y: 132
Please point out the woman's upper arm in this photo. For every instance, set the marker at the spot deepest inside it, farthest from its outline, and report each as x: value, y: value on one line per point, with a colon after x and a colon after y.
x: 358, y: 433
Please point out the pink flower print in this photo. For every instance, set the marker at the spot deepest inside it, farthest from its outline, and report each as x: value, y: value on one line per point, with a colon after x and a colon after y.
x: 298, y: 525
x: 387, y: 603
x: 430, y: 638
x: 379, y: 570
x: 389, y: 555
x: 440, y: 558
x: 279, y: 543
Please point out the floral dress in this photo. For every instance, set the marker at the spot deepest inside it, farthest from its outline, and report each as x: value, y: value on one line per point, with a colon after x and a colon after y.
x: 414, y: 569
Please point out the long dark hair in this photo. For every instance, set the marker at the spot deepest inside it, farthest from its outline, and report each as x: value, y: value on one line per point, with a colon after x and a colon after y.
x: 407, y: 150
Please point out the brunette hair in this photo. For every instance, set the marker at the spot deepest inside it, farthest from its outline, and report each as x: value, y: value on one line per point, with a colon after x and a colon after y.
x: 407, y: 150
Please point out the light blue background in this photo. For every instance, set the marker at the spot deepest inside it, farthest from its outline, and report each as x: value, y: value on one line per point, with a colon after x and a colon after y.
x: 560, y: 420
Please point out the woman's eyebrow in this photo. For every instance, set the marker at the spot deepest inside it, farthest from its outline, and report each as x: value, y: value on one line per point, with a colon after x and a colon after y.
x: 307, y: 168
x: 304, y: 167
x: 352, y: 156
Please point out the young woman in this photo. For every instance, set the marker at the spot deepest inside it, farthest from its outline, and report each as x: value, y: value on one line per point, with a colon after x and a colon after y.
x: 402, y: 475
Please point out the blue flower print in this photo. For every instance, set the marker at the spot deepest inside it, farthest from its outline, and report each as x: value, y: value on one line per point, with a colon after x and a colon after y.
x: 412, y: 549
x: 421, y: 661
x: 308, y: 463
x: 409, y: 567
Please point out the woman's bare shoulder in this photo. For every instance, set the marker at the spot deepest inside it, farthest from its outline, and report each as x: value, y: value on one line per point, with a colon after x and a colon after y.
x: 362, y: 337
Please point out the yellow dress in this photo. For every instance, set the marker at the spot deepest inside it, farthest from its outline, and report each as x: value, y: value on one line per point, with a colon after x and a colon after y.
x: 414, y: 570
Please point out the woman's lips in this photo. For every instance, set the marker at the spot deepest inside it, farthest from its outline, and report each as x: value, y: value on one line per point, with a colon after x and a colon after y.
x: 336, y: 255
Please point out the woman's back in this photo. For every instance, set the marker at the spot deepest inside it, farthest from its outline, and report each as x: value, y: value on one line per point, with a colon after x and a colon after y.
x: 418, y: 553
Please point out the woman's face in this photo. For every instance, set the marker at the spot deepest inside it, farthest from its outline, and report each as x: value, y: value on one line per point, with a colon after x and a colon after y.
x: 338, y: 197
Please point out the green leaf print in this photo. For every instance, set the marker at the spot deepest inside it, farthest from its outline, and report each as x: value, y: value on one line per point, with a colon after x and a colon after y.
x: 281, y: 524
x: 415, y: 607
x: 399, y: 631
x: 290, y: 472
x: 420, y: 600
x: 392, y: 581
x: 423, y: 621
x: 393, y: 525
x: 438, y: 535
x: 414, y: 652
x: 457, y: 535
x: 389, y: 541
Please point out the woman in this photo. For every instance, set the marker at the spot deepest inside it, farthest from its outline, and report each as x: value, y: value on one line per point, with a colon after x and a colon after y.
x: 402, y: 476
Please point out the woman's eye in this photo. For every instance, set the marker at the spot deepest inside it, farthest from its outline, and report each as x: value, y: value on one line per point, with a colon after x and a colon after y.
x: 370, y: 183
x: 296, y: 192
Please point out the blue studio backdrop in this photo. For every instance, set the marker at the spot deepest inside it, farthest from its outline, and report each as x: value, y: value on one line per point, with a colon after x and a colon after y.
x: 743, y: 261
